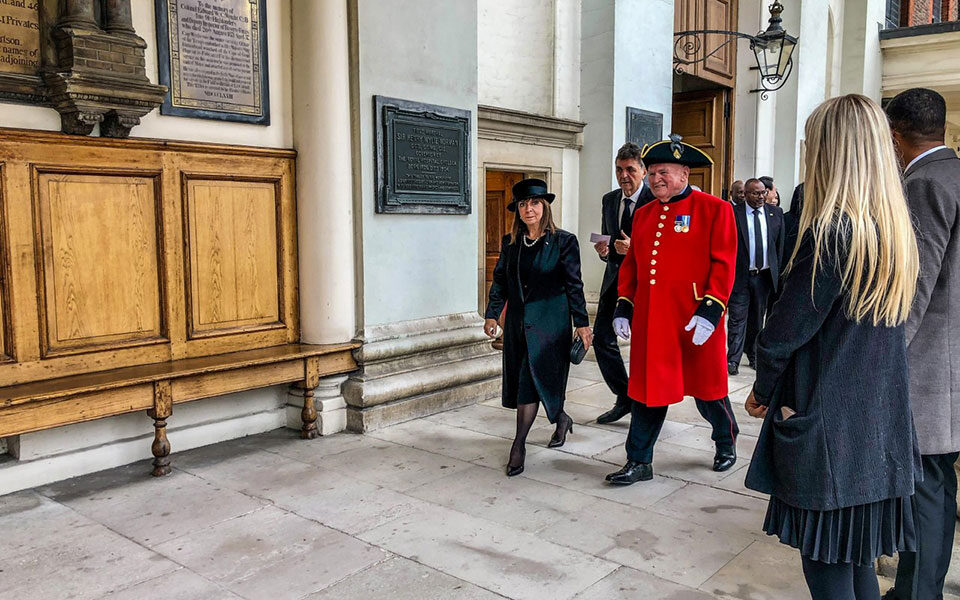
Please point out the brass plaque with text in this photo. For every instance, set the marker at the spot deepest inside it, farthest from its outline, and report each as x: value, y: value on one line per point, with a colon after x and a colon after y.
x: 19, y: 36
x: 213, y: 59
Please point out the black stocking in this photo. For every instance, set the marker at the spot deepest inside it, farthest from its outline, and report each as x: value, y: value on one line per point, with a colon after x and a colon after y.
x: 526, y: 415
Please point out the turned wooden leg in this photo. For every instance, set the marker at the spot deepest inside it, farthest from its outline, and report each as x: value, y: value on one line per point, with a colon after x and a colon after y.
x: 160, y: 447
x: 309, y: 416
x: 162, y: 408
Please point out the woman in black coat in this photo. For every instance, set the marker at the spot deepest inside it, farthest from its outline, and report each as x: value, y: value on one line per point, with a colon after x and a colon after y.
x: 837, y: 451
x: 537, y: 278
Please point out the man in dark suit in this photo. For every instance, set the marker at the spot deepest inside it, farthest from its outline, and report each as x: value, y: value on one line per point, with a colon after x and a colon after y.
x: 931, y: 181
x: 760, y: 242
x: 617, y: 219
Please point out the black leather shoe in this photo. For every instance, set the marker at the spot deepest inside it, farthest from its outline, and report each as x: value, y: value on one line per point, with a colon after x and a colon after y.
x: 733, y: 369
x: 514, y: 469
x: 724, y: 459
x: 890, y: 595
x: 564, y: 426
x: 631, y: 473
x: 752, y: 364
x: 619, y: 410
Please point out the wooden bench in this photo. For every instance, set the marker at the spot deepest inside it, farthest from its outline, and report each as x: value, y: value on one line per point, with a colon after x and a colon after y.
x: 156, y: 387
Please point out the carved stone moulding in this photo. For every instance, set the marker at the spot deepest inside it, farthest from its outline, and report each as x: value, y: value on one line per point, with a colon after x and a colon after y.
x: 100, y: 78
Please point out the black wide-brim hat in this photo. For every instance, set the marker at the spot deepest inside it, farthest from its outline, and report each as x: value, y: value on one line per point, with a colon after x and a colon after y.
x: 674, y: 151
x: 529, y: 188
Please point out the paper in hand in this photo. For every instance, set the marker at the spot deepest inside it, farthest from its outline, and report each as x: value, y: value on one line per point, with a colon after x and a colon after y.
x: 596, y: 238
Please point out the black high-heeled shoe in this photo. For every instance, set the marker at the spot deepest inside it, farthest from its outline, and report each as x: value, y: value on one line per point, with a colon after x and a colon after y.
x: 512, y: 469
x: 559, y: 436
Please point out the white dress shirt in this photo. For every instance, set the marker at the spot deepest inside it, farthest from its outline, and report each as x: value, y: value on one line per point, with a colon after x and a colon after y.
x: 751, y: 245
x: 930, y: 151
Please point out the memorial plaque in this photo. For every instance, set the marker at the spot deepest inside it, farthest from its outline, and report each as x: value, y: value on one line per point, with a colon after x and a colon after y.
x: 213, y: 59
x: 422, y: 158
x: 19, y: 36
x: 643, y: 126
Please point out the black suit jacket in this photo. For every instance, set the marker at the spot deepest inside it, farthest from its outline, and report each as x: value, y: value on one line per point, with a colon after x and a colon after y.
x: 775, y: 242
x: 610, y: 225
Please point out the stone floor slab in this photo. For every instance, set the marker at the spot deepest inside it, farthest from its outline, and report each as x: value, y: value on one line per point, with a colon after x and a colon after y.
x: 182, y: 584
x: 393, y: 466
x: 698, y: 437
x: 259, y: 553
x: 150, y: 510
x: 597, y: 395
x: 585, y: 440
x: 680, y: 462
x: 519, y: 502
x: 455, y: 442
x: 30, y: 522
x: 588, y: 477
x: 402, y: 579
x: 761, y: 572
x: 487, y: 419
x: 711, y: 507
x: 510, y: 562
x: 672, y: 549
x: 83, y: 567
x: 629, y: 584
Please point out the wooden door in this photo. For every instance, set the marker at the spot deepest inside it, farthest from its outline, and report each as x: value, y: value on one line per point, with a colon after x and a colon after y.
x: 499, y: 219
x: 702, y: 118
x: 690, y: 15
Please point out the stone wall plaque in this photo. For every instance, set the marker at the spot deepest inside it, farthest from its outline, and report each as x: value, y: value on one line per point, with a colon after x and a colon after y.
x: 422, y: 158
x: 20, y: 51
x: 643, y: 126
x: 213, y: 59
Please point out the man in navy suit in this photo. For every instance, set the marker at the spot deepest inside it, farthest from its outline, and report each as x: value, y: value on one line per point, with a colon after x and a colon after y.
x: 760, y: 243
x: 617, y: 220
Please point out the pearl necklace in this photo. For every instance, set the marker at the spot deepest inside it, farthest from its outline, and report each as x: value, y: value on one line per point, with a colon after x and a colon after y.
x: 531, y: 244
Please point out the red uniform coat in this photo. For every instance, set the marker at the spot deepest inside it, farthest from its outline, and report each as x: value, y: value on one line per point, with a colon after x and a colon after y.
x: 682, y: 258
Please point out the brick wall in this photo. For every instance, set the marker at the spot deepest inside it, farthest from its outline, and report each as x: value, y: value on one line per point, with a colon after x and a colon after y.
x: 920, y: 12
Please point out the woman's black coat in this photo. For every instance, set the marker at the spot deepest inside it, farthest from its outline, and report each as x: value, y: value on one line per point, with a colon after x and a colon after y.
x: 539, y: 312
x: 852, y: 439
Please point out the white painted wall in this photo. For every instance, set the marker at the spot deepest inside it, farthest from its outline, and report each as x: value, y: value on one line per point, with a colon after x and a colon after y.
x: 415, y: 266
x: 279, y: 134
x: 626, y: 61
x: 516, y: 66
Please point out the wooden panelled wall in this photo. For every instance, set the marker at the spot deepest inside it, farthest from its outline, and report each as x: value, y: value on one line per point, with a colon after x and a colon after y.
x: 116, y: 253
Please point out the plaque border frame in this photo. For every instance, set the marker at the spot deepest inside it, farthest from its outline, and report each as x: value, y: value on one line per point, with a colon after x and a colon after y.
x: 388, y: 200
x: 163, y: 72
x: 643, y: 113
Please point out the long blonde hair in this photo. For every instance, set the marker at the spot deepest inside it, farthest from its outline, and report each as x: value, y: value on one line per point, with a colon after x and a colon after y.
x: 853, y: 194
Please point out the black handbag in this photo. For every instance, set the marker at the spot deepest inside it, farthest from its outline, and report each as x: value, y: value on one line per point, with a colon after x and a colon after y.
x: 577, y: 351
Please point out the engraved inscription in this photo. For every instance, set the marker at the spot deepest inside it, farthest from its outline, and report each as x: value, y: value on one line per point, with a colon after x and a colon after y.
x: 19, y: 36
x: 427, y: 159
x: 215, y: 55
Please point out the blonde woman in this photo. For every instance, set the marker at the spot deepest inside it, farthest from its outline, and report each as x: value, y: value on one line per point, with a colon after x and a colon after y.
x: 837, y: 451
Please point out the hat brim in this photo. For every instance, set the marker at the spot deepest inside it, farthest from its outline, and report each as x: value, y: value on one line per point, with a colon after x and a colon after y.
x: 659, y: 154
x: 513, y: 204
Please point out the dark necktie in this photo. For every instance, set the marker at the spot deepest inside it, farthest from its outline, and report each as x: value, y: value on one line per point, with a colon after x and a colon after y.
x: 626, y: 220
x: 757, y: 240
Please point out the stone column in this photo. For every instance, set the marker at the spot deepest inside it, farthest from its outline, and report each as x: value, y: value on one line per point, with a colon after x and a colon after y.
x: 119, y: 19
x: 322, y: 137
x: 78, y: 13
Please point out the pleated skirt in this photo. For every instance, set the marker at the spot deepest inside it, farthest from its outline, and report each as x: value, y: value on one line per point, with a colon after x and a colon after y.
x: 854, y: 534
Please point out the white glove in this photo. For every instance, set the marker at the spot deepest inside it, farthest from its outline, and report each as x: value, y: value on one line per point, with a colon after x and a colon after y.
x: 621, y: 327
x: 703, y: 332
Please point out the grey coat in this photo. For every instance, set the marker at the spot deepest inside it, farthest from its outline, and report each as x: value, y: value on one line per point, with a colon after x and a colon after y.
x: 933, y: 330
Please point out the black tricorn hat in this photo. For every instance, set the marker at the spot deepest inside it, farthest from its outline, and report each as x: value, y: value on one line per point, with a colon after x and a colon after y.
x: 529, y: 188
x: 675, y: 151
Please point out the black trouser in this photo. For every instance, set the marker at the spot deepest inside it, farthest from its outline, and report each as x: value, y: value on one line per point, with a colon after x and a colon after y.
x: 646, y: 421
x: 748, y: 308
x: 921, y: 574
x: 606, y: 348
x: 841, y: 581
